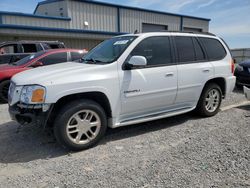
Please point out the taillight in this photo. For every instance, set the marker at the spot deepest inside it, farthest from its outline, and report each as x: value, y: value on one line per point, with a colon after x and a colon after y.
x: 232, y: 65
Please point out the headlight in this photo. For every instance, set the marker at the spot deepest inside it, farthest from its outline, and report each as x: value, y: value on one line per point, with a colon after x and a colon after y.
x: 239, y: 68
x: 33, y: 94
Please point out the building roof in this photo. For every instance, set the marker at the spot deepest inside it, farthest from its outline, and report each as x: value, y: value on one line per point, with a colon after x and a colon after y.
x: 122, y: 6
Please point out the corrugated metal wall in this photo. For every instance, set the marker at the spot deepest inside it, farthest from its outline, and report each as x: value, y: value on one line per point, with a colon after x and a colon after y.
x: 53, y: 9
x: 99, y: 18
x: 132, y: 20
x: 69, y: 42
x: 196, y: 23
x: 32, y: 21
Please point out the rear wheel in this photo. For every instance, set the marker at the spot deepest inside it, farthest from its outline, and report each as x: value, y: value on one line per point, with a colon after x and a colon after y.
x: 4, y: 88
x: 210, y: 100
x: 80, y: 125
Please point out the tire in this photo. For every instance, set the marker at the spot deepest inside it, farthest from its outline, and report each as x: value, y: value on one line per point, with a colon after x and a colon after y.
x: 203, y: 108
x: 74, y: 126
x: 4, y: 87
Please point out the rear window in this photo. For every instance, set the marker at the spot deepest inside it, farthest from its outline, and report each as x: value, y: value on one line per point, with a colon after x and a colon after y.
x: 76, y: 56
x: 214, y: 49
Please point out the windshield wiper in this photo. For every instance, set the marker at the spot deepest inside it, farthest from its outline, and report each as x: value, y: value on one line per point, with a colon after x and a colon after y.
x: 93, y: 61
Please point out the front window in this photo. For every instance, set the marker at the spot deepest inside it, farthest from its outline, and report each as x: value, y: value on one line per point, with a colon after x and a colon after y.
x: 109, y: 50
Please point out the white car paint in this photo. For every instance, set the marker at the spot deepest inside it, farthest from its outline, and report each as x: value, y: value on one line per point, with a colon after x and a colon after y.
x: 247, y: 92
x: 165, y: 91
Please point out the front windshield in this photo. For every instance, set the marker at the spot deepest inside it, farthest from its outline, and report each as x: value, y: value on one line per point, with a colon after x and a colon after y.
x: 28, y: 59
x: 109, y: 50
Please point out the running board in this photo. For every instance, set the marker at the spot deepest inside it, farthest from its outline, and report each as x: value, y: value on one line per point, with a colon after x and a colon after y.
x: 154, y: 117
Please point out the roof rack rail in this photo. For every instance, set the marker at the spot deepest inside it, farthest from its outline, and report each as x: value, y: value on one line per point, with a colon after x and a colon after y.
x: 38, y: 41
x: 192, y: 32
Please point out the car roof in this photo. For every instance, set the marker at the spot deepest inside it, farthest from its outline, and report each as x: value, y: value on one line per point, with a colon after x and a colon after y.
x: 30, y: 41
x: 58, y: 50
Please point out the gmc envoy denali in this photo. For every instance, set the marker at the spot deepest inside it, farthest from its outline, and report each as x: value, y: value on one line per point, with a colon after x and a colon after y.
x: 125, y: 80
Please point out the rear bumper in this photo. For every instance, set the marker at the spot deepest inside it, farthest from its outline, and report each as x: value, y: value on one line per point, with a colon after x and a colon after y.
x: 230, y: 84
x: 247, y: 92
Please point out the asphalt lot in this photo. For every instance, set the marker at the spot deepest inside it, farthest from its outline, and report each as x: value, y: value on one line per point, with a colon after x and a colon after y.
x: 182, y: 151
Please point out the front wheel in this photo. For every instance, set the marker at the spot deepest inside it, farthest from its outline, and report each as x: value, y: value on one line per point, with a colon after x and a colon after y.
x: 80, y: 125
x: 210, y: 100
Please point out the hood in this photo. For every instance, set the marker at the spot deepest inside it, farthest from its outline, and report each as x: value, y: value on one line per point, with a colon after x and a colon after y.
x: 56, y: 74
x: 245, y: 63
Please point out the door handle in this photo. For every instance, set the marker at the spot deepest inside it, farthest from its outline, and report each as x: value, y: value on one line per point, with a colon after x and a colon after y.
x: 169, y: 74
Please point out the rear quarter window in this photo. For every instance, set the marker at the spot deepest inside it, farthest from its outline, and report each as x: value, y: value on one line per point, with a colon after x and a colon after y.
x: 214, y: 48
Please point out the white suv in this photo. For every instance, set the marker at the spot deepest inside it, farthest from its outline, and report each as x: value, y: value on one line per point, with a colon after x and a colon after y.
x: 125, y: 80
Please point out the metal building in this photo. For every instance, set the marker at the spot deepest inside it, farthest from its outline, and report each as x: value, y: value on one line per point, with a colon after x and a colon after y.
x: 84, y: 23
x: 241, y: 54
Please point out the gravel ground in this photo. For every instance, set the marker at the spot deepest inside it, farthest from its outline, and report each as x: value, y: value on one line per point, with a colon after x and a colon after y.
x: 182, y: 151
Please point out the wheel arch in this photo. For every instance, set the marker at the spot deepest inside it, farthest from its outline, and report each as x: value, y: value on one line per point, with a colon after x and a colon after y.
x: 220, y: 81
x: 96, y: 96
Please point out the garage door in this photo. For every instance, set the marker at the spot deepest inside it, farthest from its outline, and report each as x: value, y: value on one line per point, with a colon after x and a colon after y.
x: 153, y: 27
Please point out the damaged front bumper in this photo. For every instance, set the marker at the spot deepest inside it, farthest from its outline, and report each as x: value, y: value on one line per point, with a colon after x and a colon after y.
x: 30, y: 114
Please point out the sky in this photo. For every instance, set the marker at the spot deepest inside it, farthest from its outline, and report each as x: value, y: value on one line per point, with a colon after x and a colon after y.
x: 230, y: 19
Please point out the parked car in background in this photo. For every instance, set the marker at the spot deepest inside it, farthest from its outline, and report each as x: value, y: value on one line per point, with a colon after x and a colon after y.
x: 125, y: 80
x: 42, y: 58
x: 242, y: 73
x: 14, y: 51
x: 247, y: 92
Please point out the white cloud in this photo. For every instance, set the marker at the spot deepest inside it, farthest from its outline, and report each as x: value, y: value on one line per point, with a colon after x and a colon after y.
x: 206, y: 4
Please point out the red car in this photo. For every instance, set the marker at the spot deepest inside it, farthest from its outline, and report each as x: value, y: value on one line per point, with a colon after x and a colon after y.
x: 42, y: 58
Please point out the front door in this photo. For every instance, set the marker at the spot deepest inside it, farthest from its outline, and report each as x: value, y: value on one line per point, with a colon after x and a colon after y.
x: 153, y: 88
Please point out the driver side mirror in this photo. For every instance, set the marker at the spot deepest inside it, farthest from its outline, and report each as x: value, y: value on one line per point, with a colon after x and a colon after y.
x: 37, y: 64
x: 136, y: 62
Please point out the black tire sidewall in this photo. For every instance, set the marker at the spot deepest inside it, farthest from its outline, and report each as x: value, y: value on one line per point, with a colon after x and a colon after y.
x: 66, y: 113
x: 3, y: 84
x: 201, y: 108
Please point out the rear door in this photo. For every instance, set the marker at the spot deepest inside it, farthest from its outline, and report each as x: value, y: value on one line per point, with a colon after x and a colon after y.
x: 193, y: 69
x: 153, y: 88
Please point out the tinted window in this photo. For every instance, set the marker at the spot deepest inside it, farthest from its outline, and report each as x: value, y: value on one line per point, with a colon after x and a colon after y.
x: 54, y: 58
x: 28, y: 58
x: 156, y: 50
x: 185, y: 49
x: 76, y: 56
x: 53, y: 46
x: 214, y: 48
x: 29, y: 48
x: 199, y: 53
x: 9, y: 49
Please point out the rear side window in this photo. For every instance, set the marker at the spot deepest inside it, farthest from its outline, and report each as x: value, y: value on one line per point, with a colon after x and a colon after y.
x: 54, y: 46
x: 9, y: 49
x: 76, y: 56
x: 214, y: 48
x: 185, y: 49
x: 29, y: 48
x: 156, y: 50
x: 54, y: 58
